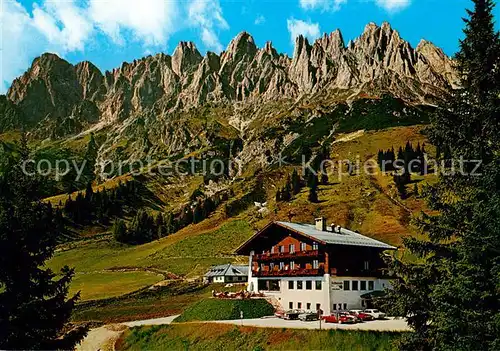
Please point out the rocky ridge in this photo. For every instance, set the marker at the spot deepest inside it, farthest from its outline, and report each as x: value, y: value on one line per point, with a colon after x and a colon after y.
x: 377, y: 62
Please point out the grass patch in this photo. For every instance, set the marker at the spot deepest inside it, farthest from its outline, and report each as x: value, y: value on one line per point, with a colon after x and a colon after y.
x: 187, y: 252
x: 222, y: 241
x: 101, y: 285
x: 194, y: 336
x: 215, y: 309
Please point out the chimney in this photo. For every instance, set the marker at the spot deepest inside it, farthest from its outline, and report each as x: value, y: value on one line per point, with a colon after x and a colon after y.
x: 320, y: 224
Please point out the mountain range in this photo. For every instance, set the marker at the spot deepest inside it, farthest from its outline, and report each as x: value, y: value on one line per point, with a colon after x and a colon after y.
x: 172, y: 105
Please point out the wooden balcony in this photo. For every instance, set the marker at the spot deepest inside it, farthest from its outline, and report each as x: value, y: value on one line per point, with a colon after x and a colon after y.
x: 287, y: 255
x: 289, y: 273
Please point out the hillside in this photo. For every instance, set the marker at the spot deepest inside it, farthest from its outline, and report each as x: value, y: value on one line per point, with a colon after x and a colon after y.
x: 258, y: 114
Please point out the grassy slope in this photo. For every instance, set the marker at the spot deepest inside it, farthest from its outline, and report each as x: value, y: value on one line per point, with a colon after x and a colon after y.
x: 110, y: 284
x: 215, y: 309
x: 365, y: 203
x: 369, y: 204
x: 187, y: 253
x: 229, y: 337
x: 170, y: 299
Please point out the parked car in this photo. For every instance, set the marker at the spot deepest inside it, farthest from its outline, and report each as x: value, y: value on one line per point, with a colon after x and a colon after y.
x: 341, y: 318
x: 292, y: 314
x: 308, y: 316
x: 377, y: 314
x: 362, y: 316
x: 279, y: 314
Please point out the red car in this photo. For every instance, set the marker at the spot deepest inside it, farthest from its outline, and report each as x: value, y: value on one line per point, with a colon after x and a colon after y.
x: 361, y: 315
x: 341, y: 318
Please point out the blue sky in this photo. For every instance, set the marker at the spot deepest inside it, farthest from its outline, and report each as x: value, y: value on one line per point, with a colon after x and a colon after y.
x: 108, y: 32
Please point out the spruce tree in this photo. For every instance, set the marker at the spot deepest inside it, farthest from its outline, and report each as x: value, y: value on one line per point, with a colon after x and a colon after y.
x: 120, y: 231
x: 34, y: 307
x: 197, y: 213
x: 451, y: 296
x: 313, y: 195
x: 296, y: 182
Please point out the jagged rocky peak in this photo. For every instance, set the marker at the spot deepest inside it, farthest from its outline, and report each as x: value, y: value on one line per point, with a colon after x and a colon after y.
x: 50, y: 87
x: 302, y: 47
x: 242, y: 45
x: 379, y: 61
x: 185, y: 57
x: 269, y: 49
x: 91, y: 79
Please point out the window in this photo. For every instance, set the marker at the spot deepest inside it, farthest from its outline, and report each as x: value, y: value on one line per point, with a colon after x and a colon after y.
x: 282, y: 265
x: 315, y: 264
x: 272, y: 249
x: 299, y: 305
x: 292, y: 265
x: 315, y: 246
x: 345, y: 306
x: 370, y: 285
x: 303, y: 247
x: 290, y: 285
x: 318, y: 306
x: 363, y: 285
x: 262, y: 266
x: 282, y: 249
x: 268, y: 285
x: 271, y: 266
x: 318, y: 284
x: 355, y: 285
x: 299, y: 285
x: 366, y: 265
x: 347, y: 285
x: 334, y: 307
x: 291, y: 248
x: 290, y: 305
x: 308, y: 306
x: 309, y: 285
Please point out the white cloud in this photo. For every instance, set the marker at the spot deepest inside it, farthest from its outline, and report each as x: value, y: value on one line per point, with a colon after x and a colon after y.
x: 149, y: 21
x: 207, y: 16
x: 260, y: 20
x: 63, y: 24
x: 324, y: 5
x: 299, y: 27
x: 21, y: 42
x: 393, y: 5
x: 335, y: 5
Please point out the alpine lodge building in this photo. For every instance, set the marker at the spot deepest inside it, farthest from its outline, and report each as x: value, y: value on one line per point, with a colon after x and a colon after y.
x: 312, y: 267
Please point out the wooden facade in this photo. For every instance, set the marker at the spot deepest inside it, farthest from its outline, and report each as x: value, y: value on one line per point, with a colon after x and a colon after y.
x: 281, y: 252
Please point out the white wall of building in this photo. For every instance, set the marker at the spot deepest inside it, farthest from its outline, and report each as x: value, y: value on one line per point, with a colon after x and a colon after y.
x: 332, y: 292
x: 351, y: 299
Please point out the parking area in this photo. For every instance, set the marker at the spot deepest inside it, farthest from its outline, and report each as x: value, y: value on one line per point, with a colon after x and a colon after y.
x: 389, y: 324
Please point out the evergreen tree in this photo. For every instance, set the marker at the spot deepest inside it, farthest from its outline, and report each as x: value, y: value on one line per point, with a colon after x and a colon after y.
x: 197, y: 213
x: 120, y: 231
x: 312, y: 180
x: 90, y: 159
x: 89, y: 192
x: 278, y: 195
x: 324, y: 178
x: 296, y: 182
x: 451, y: 295
x: 169, y: 224
x: 313, y: 195
x: 34, y: 308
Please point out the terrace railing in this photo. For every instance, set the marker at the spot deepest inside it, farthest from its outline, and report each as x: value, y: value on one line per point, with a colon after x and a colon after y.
x: 287, y: 255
